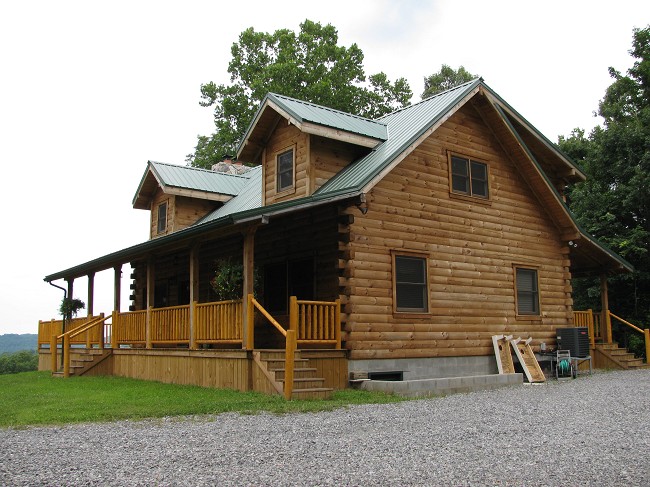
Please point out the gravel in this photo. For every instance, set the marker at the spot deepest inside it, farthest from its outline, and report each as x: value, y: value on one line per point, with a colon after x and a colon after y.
x: 594, y: 430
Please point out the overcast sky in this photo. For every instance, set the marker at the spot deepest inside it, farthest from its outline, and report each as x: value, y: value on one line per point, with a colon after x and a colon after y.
x: 89, y: 91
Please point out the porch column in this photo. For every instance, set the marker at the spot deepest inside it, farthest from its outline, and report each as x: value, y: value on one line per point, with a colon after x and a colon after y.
x: 249, y: 281
x: 69, y: 296
x: 194, y: 292
x: 150, y: 299
x: 117, y: 289
x: 605, y: 320
x: 91, y: 293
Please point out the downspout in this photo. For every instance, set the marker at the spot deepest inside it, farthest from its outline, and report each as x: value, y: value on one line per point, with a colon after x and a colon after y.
x: 65, y: 295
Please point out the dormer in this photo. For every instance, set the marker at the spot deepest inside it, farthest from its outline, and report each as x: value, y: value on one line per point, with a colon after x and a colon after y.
x: 300, y: 146
x: 178, y: 196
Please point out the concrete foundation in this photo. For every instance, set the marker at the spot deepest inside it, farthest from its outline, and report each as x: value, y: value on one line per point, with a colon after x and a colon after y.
x: 428, y: 368
x: 448, y: 385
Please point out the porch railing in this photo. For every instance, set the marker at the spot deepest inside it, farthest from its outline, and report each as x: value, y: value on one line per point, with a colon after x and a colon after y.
x: 92, y: 327
x: 219, y: 322
x: 290, y: 343
x: 130, y: 329
x: 55, y: 327
x: 317, y: 322
x: 600, y: 327
x: 169, y: 325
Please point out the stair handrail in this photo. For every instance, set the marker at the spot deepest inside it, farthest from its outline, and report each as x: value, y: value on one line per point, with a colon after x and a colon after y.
x: 65, y: 345
x: 290, y: 343
x: 644, y: 332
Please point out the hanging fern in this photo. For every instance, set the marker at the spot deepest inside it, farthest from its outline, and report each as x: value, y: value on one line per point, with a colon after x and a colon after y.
x: 70, y: 307
x: 228, y: 280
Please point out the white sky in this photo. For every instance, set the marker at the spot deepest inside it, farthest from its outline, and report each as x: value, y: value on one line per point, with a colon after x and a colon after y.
x: 89, y: 91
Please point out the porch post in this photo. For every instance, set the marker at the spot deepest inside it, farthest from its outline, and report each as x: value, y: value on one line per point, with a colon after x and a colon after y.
x: 91, y: 293
x: 117, y: 289
x: 605, y: 319
x: 249, y: 280
x: 150, y: 299
x: 194, y: 292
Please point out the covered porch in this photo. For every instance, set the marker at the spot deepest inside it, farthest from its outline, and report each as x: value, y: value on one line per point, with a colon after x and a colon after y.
x: 283, y: 336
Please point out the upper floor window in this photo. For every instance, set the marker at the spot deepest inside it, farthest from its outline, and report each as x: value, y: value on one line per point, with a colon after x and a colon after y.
x: 469, y: 177
x: 527, y: 291
x: 410, y: 275
x: 162, y: 217
x: 285, y: 170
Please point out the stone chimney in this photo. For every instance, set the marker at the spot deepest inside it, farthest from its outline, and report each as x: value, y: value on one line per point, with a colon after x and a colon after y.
x: 227, y: 166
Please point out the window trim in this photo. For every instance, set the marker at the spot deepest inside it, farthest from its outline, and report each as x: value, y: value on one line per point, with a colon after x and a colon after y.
x: 470, y: 194
x: 159, y: 230
x: 397, y: 312
x: 292, y: 188
x: 527, y: 316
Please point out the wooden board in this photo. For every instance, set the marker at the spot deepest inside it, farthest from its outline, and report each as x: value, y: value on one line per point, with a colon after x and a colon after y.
x: 502, y: 353
x: 528, y: 360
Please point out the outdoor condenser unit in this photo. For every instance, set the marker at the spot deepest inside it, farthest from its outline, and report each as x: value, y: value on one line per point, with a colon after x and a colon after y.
x: 576, y: 340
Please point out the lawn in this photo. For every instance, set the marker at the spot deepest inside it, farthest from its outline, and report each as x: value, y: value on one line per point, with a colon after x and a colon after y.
x: 36, y: 398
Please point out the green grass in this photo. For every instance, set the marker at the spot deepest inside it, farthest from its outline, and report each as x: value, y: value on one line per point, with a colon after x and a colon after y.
x: 36, y: 398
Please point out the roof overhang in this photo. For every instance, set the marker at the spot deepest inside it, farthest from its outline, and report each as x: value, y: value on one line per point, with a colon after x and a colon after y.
x: 151, y: 181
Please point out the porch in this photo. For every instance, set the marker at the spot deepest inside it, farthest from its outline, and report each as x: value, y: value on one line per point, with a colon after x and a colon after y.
x: 206, y: 344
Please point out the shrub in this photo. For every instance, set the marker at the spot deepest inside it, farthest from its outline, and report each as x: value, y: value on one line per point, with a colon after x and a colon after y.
x: 23, y: 361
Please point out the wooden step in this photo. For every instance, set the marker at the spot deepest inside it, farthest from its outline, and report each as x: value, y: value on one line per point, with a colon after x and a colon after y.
x: 306, y: 383
x: 298, y: 373
x: 275, y: 364
x: 312, y: 393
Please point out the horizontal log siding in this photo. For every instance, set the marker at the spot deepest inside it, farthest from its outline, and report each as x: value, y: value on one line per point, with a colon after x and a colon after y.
x: 286, y: 137
x: 328, y: 157
x: 189, y: 210
x: 471, y: 248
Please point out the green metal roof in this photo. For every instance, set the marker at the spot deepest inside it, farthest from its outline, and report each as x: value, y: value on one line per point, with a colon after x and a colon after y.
x: 400, y: 129
x: 192, y: 178
x: 405, y: 126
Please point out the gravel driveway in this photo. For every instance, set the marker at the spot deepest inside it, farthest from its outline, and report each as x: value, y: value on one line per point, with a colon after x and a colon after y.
x: 589, y: 431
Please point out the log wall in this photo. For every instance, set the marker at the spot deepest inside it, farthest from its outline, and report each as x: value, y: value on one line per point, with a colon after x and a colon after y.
x: 471, y: 247
x: 287, y: 137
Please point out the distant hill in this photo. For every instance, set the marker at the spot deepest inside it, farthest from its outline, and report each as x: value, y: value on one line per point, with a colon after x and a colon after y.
x: 12, y: 342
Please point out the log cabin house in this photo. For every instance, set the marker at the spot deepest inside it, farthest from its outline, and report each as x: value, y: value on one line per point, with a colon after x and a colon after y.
x: 391, y: 247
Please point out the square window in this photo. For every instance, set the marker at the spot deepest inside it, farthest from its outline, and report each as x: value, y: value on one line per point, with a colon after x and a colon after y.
x: 162, y: 217
x: 469, y: 177
x: 285, y: 170
x: 527, y: 291
x: 410, y: 284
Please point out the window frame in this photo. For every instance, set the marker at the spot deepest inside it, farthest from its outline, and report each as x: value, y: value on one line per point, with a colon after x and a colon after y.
x: 470, y: 193
x: 159, y: 230
x: 292, y: 187
x: 534, y: 315
x: 411, y: 312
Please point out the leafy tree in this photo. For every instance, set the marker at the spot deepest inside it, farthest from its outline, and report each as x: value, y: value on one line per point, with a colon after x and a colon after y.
x: 614, y: 203
x: 445, y: 79
x: 308, y: 65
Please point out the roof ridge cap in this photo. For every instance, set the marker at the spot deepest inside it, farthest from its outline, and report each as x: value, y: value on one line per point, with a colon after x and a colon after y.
x: 467, y: 83
x: 365, y: 119
x: 209, y: 171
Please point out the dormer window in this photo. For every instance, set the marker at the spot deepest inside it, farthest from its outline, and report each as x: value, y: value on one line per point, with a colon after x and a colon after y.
x: 285, y: 171
x: 162, y: 217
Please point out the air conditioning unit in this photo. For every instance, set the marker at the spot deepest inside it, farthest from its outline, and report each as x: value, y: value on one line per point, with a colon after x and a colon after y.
x: 576, y: 340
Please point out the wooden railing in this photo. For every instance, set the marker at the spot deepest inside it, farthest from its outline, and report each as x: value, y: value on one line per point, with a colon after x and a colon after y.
x: 169, y: 325
x: 55, y: 327
x: 290, y: 344
x: 316, y: 321
x: 92, y: 327
x: 600, y: 327
x: 645, y: 333
x: 219, y: 322
x: 130, y: 328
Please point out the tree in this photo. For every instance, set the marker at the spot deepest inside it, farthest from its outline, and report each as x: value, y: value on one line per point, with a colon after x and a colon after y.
x: 308, y: 65
x: 614, y: 203
x: 445, y: 79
